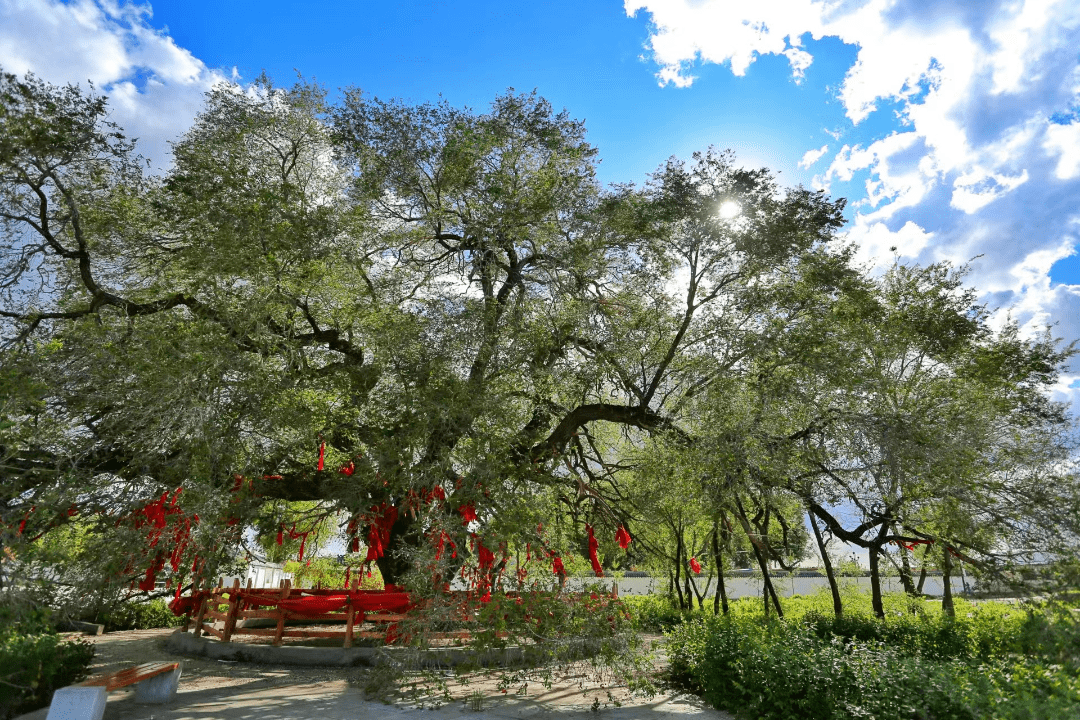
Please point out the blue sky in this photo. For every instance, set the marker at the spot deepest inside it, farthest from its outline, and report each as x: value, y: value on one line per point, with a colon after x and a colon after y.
x: 953, y: 128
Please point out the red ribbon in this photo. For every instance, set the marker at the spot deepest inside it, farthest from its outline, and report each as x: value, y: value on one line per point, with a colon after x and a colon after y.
x: 593, y: 547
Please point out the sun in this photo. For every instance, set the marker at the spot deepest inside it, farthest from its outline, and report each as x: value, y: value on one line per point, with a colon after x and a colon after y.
x: 730, y: 209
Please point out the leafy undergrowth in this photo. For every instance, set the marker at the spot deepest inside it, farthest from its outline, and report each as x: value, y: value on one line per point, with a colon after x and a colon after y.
x: 138, y: 616
x: 994, y: 660
x: 35, y: 661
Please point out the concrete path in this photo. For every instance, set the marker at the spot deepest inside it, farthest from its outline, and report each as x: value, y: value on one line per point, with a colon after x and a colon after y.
x: 336, y: 701
x: 219, y: 690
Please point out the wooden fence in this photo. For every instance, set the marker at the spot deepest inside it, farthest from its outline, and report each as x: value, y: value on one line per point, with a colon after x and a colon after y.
x: 208, y: 609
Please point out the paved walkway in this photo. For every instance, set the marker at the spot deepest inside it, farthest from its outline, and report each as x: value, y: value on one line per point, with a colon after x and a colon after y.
x: 220, y: 690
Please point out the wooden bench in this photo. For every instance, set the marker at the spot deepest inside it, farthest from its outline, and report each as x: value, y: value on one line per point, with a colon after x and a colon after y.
x: 154, y: 682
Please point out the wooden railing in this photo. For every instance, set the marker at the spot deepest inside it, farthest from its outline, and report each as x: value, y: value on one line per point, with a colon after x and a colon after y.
x: 358, y: 622
x: 213, y: 599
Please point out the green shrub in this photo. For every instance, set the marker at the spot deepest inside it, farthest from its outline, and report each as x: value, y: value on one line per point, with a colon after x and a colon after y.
x: 138, y: 616
x: 655, y: 613
x: 993, y: 660
x: 35, y: 661
x: 859, y: 667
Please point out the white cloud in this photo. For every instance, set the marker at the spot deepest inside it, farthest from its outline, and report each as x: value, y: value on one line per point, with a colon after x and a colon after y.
x: 983, y: 160
x: 891, y: 180
x: 875, y: 240
x: 812, y: 156
x: 721, y: 32
x: 978, y: 188
x: 1063, y: 141
x: 155, y: 87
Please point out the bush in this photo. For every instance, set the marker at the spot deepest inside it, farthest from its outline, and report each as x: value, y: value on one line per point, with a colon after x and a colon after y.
x: 35, y: 661
x: 655, y: 613
x: 993, y: 660
x: 138, y: 616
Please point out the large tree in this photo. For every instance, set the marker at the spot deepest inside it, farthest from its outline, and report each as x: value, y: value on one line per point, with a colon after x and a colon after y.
x: 362, y: 304
x: 432, y: 325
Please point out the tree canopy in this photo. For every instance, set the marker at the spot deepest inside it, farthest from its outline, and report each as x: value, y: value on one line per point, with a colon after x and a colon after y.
x: 432, y: 325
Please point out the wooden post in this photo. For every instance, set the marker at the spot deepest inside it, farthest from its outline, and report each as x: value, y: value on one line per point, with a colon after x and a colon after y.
x: 188, y: 614
x: 201, y: 612
x: 234, y: 608
x: 285, y: 589
x: 349, y: 614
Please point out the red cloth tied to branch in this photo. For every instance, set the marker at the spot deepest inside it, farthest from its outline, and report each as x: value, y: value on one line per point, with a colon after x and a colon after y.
x: 468, y: 513
x: 184, y: 605
x: 695, y: 565
x: 557, y: 567
x: 485, y: 558
x: 322, y: 457
x: 593, y: 547
x: 444, y: 540
x: 383, y: 518
x: 622, y: 537
x: 22, y: 523
x: 912, y: 545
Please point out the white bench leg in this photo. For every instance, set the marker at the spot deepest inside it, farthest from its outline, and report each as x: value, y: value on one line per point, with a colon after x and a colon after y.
x: 78, y: 703
x: 159, y: 689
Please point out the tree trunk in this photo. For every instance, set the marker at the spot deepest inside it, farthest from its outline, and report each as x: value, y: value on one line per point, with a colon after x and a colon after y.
x: 685, y: 567
x: 767, y: 589
x: 838, y: 606
x: 775, y: 599
x: 721, y: 591
x: 678, y: 568
x: 875, y: 580
x: 947, y: 608
x: 875, y: 569
x: 903, y: 569
x: 395, y: 564
x: 687, y: 582
x: 692, y: 583
x: 922, y: 570
x: 905, y: 573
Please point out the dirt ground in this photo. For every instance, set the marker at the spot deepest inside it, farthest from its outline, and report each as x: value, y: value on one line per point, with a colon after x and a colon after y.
x: 221, y: 689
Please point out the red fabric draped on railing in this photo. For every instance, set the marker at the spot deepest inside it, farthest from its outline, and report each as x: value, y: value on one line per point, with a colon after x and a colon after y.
x: 310, y: 602
x: 313, y: 605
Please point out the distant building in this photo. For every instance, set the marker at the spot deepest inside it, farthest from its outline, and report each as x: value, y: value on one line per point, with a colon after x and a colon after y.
x: 261, y: 573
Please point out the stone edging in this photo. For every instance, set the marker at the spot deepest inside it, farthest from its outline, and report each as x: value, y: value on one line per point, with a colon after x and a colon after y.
x: 185, y: 643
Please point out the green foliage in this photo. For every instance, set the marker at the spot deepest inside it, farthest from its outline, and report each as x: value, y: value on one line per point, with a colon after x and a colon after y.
x: 993, y: 660
x: 329, y: 573
x: 35, y: 661
x: 327, y: 308
x: 656, y: 613
x: 138, y: 615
